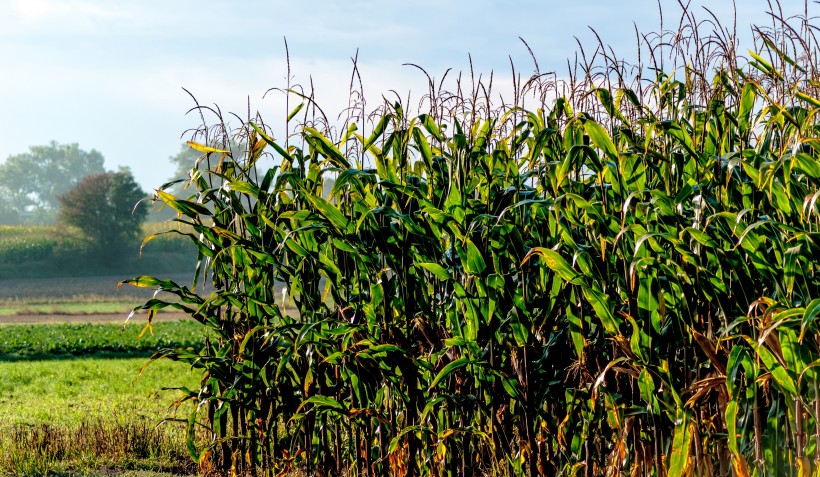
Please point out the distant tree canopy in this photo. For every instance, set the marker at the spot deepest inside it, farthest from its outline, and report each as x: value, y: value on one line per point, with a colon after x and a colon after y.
x: 107, y: 208
x: 32, y: 182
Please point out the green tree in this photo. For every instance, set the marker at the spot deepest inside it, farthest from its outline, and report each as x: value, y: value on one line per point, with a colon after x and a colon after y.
x: 108, y: 209
x: 32, y: 182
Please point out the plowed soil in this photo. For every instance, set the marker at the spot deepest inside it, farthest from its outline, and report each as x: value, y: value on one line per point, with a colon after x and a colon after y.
x: 57, y: 288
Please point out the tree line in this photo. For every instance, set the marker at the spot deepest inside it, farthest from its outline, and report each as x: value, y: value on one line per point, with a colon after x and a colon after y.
x: 65, y: 185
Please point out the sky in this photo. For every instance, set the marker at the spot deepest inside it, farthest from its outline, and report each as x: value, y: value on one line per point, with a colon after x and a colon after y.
x: 109, y: 74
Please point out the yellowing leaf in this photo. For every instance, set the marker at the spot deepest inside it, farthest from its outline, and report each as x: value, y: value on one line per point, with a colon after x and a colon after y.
x: 206, y: 149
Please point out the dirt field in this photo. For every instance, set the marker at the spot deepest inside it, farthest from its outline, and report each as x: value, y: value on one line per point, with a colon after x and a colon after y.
x: 86, y: 318
x: 28, y: 288
x: 32, y: 289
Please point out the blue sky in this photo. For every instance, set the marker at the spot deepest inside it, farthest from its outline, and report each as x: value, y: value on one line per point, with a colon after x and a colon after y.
x: 108, y: 74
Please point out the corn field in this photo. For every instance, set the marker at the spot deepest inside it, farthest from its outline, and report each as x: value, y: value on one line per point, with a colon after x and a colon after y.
x: 613, y: 272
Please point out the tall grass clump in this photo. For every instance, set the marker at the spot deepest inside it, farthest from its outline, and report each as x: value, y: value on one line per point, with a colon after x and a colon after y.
x: 609, y: 274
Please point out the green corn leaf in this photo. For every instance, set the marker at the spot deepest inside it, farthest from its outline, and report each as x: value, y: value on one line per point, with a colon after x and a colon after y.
x: 682, y: 137
x: 747, y: 101
x: 646, y: 385
x: 424, y: 147
x: 325, y: 148
x: 554, y: 261
x: 576, y: 332
x: 780, y: 374
x: 808, y: 164
x: 601, y: 139
x: 701, y: 237
x: 600, y: 303
x: 394, y: 443
x: 430, y: 125
x: 605, y: 97
x: 332, y: 214
x: 633, y: 172
x: 437, y: 270
x: 511, y: 387
x: 637, y: 340
x: 185, y: 207
x: 351, y: 129
x: 811, y: 100
x: 648, y: 294
x: 271, y: 142
x: 377, y: 131
x: 190, y: 439
x: 680, y: 459
x: 474, y: 265
x: 449, y: 369
x: 811, y: 313
x: 737, y: 358
x: 791, y: 267
x: 764, y: 65
x: 295, y: 111
x: 323, y: 403
x: 386, y: 348
x: 245, y: 188
x: 521, y: 332
x: 731, y: 426
x: 782, y: 55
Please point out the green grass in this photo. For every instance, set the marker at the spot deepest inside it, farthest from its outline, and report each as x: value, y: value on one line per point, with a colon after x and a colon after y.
x: 24, y: 341
x: 68, y: 417
x: 87, y: 389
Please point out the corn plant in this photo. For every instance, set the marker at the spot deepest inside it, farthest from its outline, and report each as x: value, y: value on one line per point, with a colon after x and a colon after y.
x: 619, y: 281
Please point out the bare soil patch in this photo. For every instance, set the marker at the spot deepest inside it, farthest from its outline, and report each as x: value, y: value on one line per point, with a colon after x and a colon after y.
x: 65, y: 287
x: 87, y: 318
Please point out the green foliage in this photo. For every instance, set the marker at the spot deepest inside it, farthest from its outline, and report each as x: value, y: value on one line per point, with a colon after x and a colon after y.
x: 623, y: 281
x: 107, y: 208
x: 21, y: 341
x: 16, y: 250
x: 54, y: 251
x: 35, y: 180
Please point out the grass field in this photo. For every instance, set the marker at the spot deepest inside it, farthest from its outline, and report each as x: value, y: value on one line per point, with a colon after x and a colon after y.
x: 73, y: 401
x: 86, y: 415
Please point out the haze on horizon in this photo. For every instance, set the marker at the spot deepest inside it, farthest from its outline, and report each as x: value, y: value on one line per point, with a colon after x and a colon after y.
x: 109, y: 75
